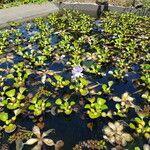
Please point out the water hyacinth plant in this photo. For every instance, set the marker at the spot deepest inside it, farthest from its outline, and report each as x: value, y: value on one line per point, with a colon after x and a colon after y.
x: 86, y: 78
x: 114, y: 134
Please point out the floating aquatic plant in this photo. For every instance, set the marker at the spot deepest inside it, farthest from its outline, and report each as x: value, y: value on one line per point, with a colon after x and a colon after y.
x: 91, y: 144
x: 115, y: 135
x: 69, y: 63
x: 96, y: 107
x: 40, y: 139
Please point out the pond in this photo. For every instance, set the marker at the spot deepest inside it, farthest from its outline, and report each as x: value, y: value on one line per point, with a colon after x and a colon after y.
x: 70, y: 81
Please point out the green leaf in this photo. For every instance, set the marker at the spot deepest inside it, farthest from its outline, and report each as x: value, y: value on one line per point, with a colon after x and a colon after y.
x: 104, y: 87
x: 138, y: 120
x: 101, y: 101
x: 34, y: 100
x: 58, y: 101
x: 94, y: 115
x: 72, y: 103
x: 66, y: 104
x: 3, y: 116
x: 103, y: 107
x: 137, y: 148
x: 5, y: 88
x: 132, y: 126
x: 66, y: 82
x: 11, y: 93
x: 71, y: 87
x: 84, y: 81
x: 87, y: 106
x: 110, y: 83
x: 40, y: 102
x: 68, y: 112
x: 28, y: 72
x: 118, y: 106
x: 5, y: 102
x: 12, y: 105
x: 10, y: 128
x: 48, y: 104
x: 58, y: 77
x: 22, y: 89
x: 31, y: 107
x: 20, y: 96
x: 92, y: 100
x: 10, y: 76
x: 84, y: 92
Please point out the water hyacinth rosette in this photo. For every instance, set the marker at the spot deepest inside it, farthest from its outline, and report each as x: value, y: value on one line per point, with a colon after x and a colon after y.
x: 77, y: 72
x: 40, y: 139
x: 114, y: 134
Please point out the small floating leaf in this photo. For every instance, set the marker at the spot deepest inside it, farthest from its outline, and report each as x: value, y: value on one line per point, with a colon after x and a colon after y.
x: 11, y: 93
x: 58, y: 101
x: 118, y: 106
x: 58, y: 77
x: 3, y: 116
x: 19, y: 145
x: 36, y: 131
x: 22, y: 89
x: 132, y: 126
x: 31, y: 141
x: 101, y: 101
x: 10, y: 128
x: 48, y: 142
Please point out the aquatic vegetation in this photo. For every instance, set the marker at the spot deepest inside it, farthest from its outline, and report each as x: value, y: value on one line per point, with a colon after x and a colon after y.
x: 20, y: 134
x: 107, y: 88
x: 114, y: 134
x: 65, y: 106
x: 126, y: 102
x: 40, y: 138
x: 145, y: 147
x: 74, y: 73
x: 96, y: 107
x: 141, y: 127
x: 60, y: 82
x: 38, y: 106
x: 91, y: 144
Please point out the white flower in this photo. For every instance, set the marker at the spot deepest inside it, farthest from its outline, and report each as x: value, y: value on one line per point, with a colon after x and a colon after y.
x: 77, y: 72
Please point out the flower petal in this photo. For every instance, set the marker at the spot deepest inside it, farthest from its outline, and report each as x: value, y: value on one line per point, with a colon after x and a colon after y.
x: 48, y: 142
x: 31, y: 141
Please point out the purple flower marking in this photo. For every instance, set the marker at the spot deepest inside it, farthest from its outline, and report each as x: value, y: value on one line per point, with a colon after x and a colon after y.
x: 77, y: 72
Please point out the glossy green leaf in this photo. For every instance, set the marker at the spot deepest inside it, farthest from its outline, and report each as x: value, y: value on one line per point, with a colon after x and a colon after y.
x: 11, y: 93
x: 58, y: 101
x: 58, y: 77
x: 3, y: 116
x: 101, y: 101
x: 10, y: 128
